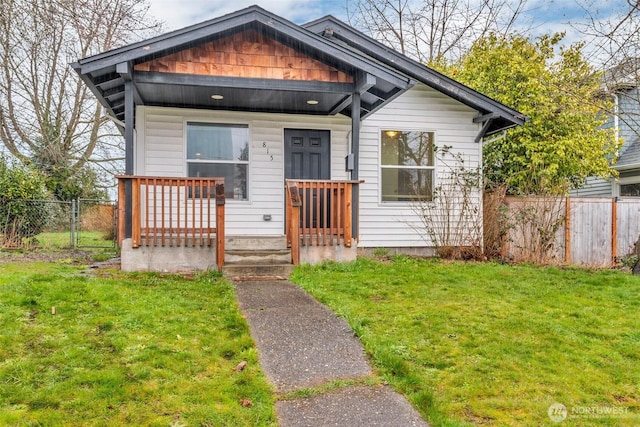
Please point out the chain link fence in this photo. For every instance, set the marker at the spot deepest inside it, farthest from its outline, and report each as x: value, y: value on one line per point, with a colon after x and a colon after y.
x: 57, y: 225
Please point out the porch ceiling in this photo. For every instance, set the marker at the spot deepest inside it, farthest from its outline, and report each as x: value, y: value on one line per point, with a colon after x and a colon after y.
x: 238, y: 98
x: 241, y: 94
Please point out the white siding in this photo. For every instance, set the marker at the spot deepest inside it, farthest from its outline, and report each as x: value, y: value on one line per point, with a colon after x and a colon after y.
x: 161, y: 137
x: 421, y: 108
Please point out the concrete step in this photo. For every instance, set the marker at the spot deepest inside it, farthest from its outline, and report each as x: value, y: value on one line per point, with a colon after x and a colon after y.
x: 257, y: 256
x: 257, y: 272
x: 255, y: 242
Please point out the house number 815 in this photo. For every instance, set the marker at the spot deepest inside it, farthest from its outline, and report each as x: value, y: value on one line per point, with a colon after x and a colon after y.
x: 264, y: 145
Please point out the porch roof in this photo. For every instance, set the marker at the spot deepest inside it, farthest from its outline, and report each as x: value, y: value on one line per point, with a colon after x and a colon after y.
x: 375, y: 81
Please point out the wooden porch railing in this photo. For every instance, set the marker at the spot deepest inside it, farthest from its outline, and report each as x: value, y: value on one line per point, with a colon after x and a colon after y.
x: 174, y: 212
x: 319, y: 213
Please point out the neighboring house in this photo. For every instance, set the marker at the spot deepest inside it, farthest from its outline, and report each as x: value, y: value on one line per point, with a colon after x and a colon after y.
x: 622, y: 84
x: 348, y: 124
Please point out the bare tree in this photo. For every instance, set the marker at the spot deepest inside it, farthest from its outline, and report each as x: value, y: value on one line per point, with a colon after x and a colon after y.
x: 47, y: 115
x: 613, y: 32
x: 433, y: 30
x: 613, y: 36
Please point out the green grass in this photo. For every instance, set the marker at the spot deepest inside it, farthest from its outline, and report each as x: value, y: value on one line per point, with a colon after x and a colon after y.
x: 493, y: 344
x: 124, y: 349
x: 83, y: 239
x: 94, y: 239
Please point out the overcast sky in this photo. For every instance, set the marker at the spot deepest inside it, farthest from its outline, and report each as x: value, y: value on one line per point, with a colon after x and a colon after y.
x: 551, y: 14
x: 540, y: 17
x: 180, y: 13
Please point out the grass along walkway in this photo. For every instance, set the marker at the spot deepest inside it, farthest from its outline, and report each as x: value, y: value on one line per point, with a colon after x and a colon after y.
x: 494, y: 344
x: 125, y: 349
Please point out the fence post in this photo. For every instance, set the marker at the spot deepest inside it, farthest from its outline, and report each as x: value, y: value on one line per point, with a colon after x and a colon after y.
x: 614, y: 230
x: 73, y: 224
x: 567, y: 231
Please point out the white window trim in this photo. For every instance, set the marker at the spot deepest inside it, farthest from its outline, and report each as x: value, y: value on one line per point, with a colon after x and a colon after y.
x: 408, y: 203
x: 626, y: 181
x: 228, y: 122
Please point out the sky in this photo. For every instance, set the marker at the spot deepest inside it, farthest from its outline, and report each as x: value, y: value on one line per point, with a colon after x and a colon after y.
x: 540, y: 16
x: 546, y: 15
x: 180, y: 13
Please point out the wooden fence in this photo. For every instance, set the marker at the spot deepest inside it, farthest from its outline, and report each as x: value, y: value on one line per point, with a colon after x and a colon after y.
x: 590, y: 231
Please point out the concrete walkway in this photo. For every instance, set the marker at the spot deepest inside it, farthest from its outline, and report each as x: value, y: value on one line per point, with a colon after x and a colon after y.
x: 302, y: 344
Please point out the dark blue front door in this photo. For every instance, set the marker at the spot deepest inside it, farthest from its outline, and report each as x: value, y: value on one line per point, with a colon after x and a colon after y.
x: 308, y: 156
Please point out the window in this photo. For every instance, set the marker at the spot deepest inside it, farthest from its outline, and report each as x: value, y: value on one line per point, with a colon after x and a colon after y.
x: 407, y: 165
x: 220, y: 150
x: 630, y: 190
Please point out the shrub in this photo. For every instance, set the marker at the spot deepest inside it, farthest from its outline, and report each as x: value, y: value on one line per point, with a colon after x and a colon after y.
x: 22, y: 202
x: 452, y: 221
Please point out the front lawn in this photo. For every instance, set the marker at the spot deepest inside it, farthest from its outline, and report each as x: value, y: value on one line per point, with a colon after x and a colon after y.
x: 490, y: 344
x: 125, y: 349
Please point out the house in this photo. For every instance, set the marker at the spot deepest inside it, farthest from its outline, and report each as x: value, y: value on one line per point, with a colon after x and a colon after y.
x: 622, y: 84
x: 253, y: 139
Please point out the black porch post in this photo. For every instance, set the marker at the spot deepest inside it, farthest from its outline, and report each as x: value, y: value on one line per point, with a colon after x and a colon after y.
x: 129, y: 110
x: 355, y: 150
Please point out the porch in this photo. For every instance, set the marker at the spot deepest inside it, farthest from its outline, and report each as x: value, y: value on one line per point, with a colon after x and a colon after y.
x: 178, y: 223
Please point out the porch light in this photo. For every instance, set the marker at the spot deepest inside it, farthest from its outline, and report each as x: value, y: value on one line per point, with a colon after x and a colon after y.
x: 217, y: 97
x: 312, y: 102
x: 391, y: 133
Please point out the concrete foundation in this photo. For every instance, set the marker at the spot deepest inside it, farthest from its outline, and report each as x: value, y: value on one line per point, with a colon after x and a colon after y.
x: 180, y: 258
x: 412, y: 251
x: 166, y: 259
x: 318, y: 254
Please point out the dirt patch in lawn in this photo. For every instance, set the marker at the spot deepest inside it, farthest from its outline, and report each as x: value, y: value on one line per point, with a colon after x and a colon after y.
x: 72, y: 257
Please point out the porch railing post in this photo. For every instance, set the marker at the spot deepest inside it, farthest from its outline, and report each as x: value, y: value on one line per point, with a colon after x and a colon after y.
x: 121, y: 210
x: 348, y: 220
x: 135, y: 213
x: 220, y: 200
x: 287, y: 214
x: 295, y: 236
x: 293, y: 223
